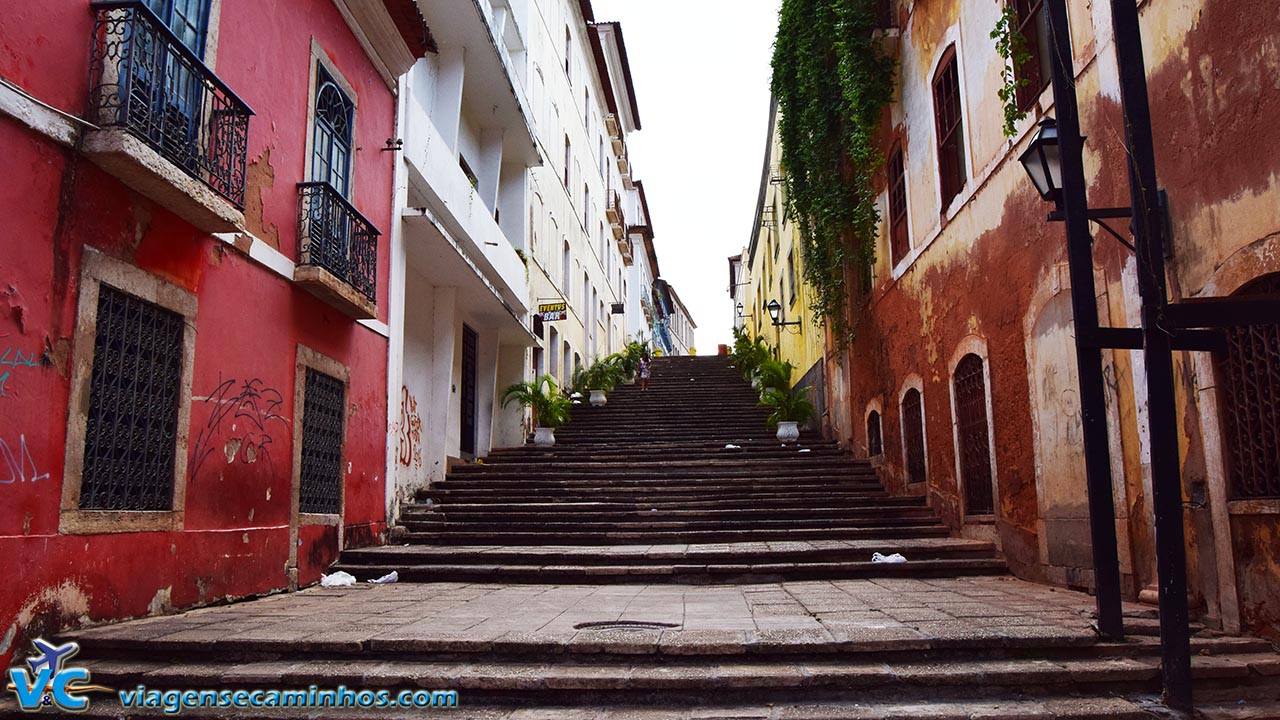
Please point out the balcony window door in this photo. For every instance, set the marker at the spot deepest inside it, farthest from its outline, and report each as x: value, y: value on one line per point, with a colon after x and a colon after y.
x: 332, y: 134
x: 166, y: 87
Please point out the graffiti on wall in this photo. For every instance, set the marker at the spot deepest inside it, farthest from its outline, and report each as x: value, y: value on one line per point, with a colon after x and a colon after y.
x: 245, y: 414
x: 12, y: 360
x: 410, y: 430
x: 19, y: 466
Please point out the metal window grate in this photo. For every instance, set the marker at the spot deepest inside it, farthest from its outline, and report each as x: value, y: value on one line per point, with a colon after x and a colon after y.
x: 913, y: 435
x: 1251, y: 402
x: 131, y: 429
x: 975, y: 446
x: 1033, y: 26
x: 320, y: 486
x: 875, y: 444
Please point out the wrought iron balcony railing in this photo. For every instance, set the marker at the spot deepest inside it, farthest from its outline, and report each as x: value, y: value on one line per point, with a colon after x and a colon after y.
x: 333, y: 235
x: 143, y: 79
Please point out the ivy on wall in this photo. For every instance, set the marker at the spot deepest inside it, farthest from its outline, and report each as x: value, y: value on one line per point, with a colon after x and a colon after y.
x: 1012, y: 46
x: 832, y: 81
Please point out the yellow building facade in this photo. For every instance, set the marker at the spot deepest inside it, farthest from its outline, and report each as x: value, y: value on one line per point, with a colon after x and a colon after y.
x: 772, y: 270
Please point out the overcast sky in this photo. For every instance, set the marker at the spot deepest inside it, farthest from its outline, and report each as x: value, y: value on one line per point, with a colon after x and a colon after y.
x: 701, y: 71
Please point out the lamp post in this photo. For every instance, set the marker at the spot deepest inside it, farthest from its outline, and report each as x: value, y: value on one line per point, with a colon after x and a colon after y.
x: 1054, y: 162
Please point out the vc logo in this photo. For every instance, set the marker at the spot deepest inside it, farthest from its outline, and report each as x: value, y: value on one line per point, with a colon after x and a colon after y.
x: 50, y: 684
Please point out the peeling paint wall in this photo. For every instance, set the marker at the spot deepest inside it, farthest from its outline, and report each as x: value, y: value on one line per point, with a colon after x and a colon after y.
x: 250, y: 320
x: 991, y: 266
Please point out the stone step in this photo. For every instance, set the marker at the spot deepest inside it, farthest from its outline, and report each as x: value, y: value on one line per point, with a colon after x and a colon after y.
x: 473, y: 537
x: 762, y: 494
x: 517, y: 513
x: 816, y: 479
x: 743, y: 570
x: 679, y: 505
x: 938, y: 708
x: 791, y: 463
x: 656, y: 525
x: 914, y: 549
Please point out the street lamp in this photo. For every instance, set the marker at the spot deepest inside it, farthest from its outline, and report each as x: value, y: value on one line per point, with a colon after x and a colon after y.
x: 1042, y: 161
x: 775, y: 313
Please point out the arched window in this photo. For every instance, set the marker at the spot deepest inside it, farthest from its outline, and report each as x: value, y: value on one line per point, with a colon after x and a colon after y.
x: 913, y: 435
x: 973, y: 436
x: 331, y: 141
x: 1250, y: 378
x: 875, y: 443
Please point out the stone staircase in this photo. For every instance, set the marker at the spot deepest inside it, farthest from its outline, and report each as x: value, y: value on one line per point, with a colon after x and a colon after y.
x: 641, y: 570
x: 684, y: 482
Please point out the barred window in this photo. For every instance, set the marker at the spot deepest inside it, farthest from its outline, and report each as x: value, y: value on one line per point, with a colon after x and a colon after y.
x: 972, y: 435
x: 131, y: 428
x: 1249, y: 369
x: 875, y: 443
x: 320, y: 488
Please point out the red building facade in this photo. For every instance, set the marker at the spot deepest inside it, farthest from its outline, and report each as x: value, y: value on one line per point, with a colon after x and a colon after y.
x: 192, y: 298
x: 961, y: 384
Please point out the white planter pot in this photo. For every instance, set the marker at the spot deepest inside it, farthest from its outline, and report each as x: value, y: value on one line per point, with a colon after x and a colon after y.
x: 629, y: 381
x: 544, y: 436
x: 598, y: 398
x: 789, y: 431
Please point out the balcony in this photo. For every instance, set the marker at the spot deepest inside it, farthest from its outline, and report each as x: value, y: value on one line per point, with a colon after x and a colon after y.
x: 337, y: 251
x: 170, y: 129
x: 617, y: 220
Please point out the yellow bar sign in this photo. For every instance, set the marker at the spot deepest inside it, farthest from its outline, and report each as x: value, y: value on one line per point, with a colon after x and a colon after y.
x: 553, y: 311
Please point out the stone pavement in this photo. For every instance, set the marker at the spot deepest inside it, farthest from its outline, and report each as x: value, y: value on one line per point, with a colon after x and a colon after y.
x: 900, y: 613
x: 931, y: 649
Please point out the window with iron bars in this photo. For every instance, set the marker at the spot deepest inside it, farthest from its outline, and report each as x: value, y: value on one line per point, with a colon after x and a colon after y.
x: 1034, y: 28
x: 320, y: 487
x: 1250, y: 401
x: 131, y: 428
x: 899, y: 240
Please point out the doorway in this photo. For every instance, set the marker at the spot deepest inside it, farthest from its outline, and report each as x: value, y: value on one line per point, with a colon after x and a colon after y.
x: 467, y: 416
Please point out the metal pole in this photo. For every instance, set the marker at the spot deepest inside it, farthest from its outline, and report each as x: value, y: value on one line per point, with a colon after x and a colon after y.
x: 1084, y: 303
x: 1166, y: 482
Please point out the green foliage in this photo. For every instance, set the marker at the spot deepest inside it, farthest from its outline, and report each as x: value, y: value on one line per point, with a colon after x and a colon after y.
x: 631, y: 355
x: 604, y: 374
x: 1012, y: 46
x: 787, y: 405
x: 832, y: 82
x: 550, y: 406
x: 749, y: 353
x: 774, y: 375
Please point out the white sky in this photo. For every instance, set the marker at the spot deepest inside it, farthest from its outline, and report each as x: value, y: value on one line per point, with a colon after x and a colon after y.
x: 701, y: 73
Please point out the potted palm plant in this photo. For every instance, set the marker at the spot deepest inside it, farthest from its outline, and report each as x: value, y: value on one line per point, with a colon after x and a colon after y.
x: 630, y: 358
x: 790, y: 408
x: 774, y: 374
x: 602, y: 377
x: 550, y: 407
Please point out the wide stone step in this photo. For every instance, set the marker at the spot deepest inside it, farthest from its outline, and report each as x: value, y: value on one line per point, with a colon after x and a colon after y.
x: 551, y: 505
x: 764, y: 490
x: 779, y: 465
x: 601, y: 480
x: 914, y: 549
x: 473, y: 537
x: 552, y: 514
x: 742, y: 571
x: 815, y: 497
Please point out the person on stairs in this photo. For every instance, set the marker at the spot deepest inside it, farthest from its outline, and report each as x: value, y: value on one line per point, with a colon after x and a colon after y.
x: 643, y: 369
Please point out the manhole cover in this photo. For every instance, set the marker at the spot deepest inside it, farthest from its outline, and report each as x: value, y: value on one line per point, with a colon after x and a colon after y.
x: 625, y: 625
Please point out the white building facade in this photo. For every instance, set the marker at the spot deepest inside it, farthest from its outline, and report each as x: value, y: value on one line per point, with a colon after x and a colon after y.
x: 459, y: 292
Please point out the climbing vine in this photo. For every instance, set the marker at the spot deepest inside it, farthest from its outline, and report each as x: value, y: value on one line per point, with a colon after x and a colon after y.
x: 1012, y: 46
x: 832, y: 82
